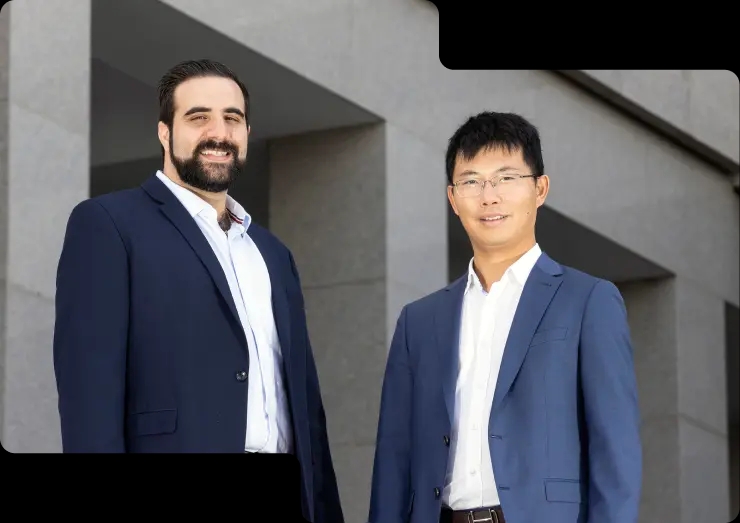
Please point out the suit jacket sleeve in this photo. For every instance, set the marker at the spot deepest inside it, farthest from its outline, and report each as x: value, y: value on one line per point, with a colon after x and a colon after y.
x: 327, y: 505
x: 391, y: 483
x: 90, y: 332
x: 611, y: 409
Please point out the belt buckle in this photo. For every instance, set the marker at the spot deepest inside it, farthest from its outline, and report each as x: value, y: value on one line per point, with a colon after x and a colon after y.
x: 492, y: 516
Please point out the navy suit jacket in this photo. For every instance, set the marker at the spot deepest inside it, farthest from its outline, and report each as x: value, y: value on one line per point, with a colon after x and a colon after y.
x: 564, y: 425
x: 149, y: 353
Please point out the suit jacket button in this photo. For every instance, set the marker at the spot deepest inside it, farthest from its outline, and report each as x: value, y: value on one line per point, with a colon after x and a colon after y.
x: 436, y: 492
x: 447, y: 440
x: 241, y: 375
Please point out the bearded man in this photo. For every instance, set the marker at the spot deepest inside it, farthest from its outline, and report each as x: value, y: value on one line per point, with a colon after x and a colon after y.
x: 180, y: 324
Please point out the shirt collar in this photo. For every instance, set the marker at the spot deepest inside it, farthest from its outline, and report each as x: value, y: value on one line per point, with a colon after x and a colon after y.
x: 518, y: 272
x: 196, y: 205
x: 239, y: 215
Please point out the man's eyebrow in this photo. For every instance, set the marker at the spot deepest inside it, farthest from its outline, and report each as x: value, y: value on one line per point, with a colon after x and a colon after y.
x: 194, y: 110
x: 234, y: 110
x: 200, y: 109
x: 505, y: 168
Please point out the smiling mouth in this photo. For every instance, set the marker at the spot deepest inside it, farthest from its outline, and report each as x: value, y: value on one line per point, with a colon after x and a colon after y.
x: 493, y: 219
x: 215, y: 155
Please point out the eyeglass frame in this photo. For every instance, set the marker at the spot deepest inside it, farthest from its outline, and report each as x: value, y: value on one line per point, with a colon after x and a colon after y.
x: 490, y: 181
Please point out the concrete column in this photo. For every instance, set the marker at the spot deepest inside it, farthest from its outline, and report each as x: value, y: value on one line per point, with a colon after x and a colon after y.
x: 45, y: 172
x: 679, y: 336
x: 4, y: 64
x: 363, y: 210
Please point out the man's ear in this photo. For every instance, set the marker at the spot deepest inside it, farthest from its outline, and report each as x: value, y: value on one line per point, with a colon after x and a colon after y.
x: 451, y: 198
x: 543, y: 188
x: 163, y: 132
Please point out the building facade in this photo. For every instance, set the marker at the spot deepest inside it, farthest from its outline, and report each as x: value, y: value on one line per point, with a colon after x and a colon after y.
x: 350, y: 117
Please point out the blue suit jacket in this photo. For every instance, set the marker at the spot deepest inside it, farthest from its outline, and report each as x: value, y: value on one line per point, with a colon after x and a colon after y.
x: 149, y: 353
x: 564, y: 426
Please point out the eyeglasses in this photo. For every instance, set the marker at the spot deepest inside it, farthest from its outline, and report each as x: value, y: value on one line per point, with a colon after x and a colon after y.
x: 473, y: 187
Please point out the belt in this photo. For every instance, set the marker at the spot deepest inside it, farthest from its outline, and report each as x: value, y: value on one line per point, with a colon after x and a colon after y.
x: 478, y: 515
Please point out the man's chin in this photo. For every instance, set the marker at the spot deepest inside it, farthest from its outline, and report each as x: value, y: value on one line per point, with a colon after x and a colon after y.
x: 216, y: 166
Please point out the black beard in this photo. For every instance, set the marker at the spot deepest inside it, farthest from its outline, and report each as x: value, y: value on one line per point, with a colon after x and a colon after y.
x: 213, y: 178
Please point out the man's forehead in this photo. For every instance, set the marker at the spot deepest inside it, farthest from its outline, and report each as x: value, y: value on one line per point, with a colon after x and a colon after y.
x: 213, y: 92
x: 491, y: 159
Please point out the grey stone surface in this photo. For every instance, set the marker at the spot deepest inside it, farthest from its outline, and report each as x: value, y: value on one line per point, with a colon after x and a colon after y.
x: 48, y: 111
x: 333, y: 184
x: 31, y: 415
x: 50, y: 61
x: 327, y: 198
x: 639, y: 190
x: 60, y: 176
x: 704, y: 461
x: 678, y: 334
x: 702, y: 375
x: 369, y: 242
x: 416, y: 221
x: 348, y: 338
x: 651, y: 313
x: 4, y: 226
x: 704, y: 104
x: 353, y: 463
x: 661, y: 471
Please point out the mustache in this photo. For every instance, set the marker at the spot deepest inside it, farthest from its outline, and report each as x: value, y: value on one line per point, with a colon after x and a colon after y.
x: 214, y: 145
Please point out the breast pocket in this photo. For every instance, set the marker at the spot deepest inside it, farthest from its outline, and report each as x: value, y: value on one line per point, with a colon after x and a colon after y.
x: 557, y: 357
x: 153, y: 422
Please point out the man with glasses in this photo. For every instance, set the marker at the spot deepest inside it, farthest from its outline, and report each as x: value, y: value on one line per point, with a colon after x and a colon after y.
x: 509, y: 395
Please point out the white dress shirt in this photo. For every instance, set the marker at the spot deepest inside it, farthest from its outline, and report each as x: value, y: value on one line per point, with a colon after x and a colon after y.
x: 268, y: 425
x: 485, y: 323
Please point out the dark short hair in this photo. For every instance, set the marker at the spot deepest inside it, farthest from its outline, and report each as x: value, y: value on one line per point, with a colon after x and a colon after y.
x: 492, y: 130
x: 185, y: 71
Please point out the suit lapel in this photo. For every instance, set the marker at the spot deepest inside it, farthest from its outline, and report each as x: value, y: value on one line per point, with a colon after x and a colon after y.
x: 537, y: 294
x: 178, y: 215
x: 447, y: 329
x: 280, y: 306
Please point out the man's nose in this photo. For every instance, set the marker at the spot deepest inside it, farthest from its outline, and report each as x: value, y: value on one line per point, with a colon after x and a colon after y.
x: 489, y: 194
x: 218, y: 129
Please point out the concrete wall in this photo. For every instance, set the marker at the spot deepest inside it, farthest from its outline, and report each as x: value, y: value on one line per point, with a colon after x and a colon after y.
x: 369, y: 240
x: 4, y: 225
x: 47, y: 174
x: 679, y: 338
x: 705, y: 105
x: 732, y: 334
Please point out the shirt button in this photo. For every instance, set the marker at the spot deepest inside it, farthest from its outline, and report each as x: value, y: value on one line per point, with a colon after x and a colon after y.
x: 436, y: 492
x: 241, y: 376
x: 447, y: 440
x: 473, y: 472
